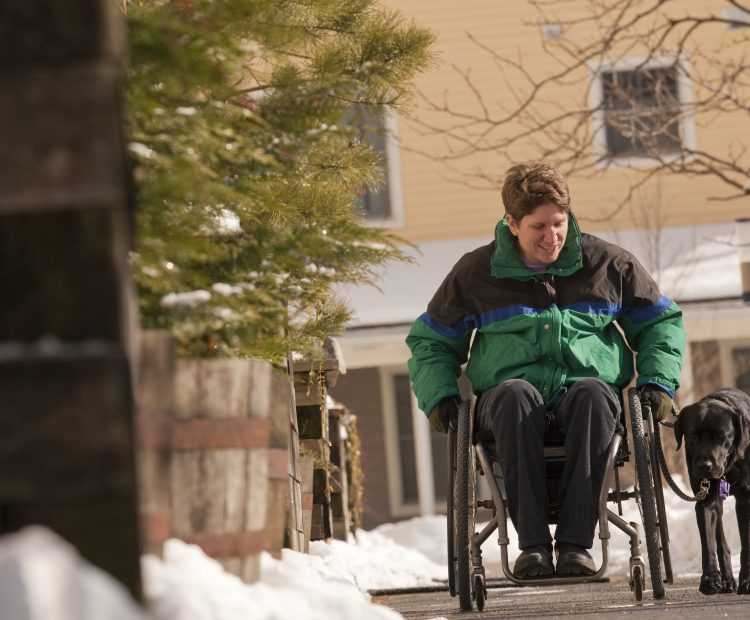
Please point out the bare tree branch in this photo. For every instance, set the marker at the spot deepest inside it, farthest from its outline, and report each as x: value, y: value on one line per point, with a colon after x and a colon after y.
x: 623, y: 87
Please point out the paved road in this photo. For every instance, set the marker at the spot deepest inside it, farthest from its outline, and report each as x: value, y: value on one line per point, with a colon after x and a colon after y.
x: 609, y: 598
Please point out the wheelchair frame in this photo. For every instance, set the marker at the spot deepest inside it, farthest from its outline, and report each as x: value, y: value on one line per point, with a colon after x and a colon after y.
x: 468, y: 457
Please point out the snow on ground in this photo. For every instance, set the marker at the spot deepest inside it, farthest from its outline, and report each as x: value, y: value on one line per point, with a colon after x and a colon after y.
x: 427, y: 535
x: 39, y: 572
x: 43, y: 578
x: 331, y: 581
x: 187, y: 585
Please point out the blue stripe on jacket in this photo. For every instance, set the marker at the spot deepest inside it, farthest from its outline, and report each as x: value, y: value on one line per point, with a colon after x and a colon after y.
x: 646, y: 314
x: 454, y: 332
x: 457, y: 331
x: 606, y: 308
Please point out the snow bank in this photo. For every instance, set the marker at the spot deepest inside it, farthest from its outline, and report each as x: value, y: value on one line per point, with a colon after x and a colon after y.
x: 188, y: 585
x: 43, y: 578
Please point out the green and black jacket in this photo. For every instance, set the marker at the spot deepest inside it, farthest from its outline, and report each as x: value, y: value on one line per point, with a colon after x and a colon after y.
x: 550, y: 329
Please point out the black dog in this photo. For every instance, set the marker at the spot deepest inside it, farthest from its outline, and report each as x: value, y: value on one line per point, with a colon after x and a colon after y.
x: 717, y: 439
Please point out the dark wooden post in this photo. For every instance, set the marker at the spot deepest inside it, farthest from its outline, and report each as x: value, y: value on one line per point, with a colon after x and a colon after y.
x: 311, y: 383
x: 66, y: 303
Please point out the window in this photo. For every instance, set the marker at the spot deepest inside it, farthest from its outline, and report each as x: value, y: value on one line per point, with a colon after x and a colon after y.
x: 733, y: 362
x: 416, y: 455
x: 738, y: 18
x: 741, y: 364
x: 551, y: 31
x: 406, y: 449
x: 640, y: 112
x: 384, y: 207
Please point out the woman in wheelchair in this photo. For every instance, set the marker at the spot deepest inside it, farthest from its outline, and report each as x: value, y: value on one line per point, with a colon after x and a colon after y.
x: 546, y: 319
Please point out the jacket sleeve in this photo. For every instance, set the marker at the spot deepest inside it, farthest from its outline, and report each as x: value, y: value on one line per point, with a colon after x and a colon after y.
x: 439, y: 342
x: 653, y: 326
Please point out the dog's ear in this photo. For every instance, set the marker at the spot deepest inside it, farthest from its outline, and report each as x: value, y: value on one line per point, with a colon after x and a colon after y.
x: 678, y: 432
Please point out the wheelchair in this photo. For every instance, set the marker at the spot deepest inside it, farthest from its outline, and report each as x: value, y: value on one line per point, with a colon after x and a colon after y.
x: 471, y: 456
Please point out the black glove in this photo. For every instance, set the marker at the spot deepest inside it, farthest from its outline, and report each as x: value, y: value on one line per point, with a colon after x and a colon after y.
x: 442, y: 413
x: 657, y: 399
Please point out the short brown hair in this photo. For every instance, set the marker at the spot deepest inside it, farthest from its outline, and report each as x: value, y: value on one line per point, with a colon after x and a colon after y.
x: 529, y: 185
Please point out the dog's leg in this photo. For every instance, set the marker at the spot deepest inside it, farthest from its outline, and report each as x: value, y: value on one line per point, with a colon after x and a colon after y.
x: 742, y: 508
x: 728, y: 584
x: 706, y: 516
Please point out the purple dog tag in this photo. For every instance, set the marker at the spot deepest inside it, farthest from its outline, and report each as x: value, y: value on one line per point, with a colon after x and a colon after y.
x: 723, y: 489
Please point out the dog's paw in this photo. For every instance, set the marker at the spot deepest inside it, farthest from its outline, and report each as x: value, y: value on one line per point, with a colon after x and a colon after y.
x: 728, y: 584
x: 710, y: 583
x: 744, y: 587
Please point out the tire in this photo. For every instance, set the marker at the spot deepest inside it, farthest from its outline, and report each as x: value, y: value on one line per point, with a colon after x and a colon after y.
x: 661, y: 511
x: 646, y: 497
x: 479, y: 592
x: 463, y: 505
x: 636, y: 575
x: 450, y: 511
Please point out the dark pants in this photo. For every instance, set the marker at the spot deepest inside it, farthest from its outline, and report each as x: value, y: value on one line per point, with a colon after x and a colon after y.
x: 586, y: 416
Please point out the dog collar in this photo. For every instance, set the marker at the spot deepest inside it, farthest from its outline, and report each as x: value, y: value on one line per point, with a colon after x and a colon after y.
x: 722, y: 489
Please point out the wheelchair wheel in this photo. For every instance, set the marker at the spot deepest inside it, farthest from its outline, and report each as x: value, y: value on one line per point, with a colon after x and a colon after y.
x: 450, y: 511
x: 636, y: 580
x: 464, y: 506
x: 646, y: 496
x: 651, y: 429
x: 479, y: 591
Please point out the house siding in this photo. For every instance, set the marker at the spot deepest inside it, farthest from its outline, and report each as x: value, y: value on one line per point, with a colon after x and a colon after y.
x: 440, y: 208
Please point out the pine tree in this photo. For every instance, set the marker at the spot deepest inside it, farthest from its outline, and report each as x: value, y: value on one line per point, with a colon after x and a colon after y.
x: 245, y: 127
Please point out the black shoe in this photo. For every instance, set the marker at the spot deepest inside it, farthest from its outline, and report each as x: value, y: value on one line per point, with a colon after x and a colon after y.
x: 535, y: 561
x: 573, y: 560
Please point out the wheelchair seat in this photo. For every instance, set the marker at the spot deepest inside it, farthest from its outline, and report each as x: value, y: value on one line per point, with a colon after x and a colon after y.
x: 554, y: 458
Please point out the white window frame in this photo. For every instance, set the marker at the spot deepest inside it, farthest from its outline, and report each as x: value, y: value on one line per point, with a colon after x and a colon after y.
x: 394, y: 179
x: 726, y: 359
x: 596, y: 97
x: 426, y: 505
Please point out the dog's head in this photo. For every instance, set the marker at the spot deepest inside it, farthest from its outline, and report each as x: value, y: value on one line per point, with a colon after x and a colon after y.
x: 716, y: 432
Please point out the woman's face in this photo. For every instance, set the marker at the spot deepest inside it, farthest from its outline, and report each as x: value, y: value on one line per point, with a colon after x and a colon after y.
x: 541, y: 234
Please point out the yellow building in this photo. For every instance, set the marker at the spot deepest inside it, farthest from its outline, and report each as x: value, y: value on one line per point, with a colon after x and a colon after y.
x: 447, y: 205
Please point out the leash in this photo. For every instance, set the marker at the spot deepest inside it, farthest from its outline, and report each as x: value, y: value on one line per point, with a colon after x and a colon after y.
x: 705, y: 483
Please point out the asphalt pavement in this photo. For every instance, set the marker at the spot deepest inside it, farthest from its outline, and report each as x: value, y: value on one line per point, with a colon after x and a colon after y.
x: 608, y: 598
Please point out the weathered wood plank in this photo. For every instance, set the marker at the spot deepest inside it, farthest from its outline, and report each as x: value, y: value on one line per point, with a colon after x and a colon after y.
x: 221, y: 460
x: 295, y: 537
x: 228, y: 545
x: 318, y: 449
x: 276, y: 514
x: 256, y: 507
x: 278, y: 464
x: 156, y: 368
x: 322, y: 520
x: 306, y: 485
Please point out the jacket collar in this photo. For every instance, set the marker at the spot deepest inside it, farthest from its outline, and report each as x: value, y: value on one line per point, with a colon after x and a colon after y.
x: 506, y: 261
